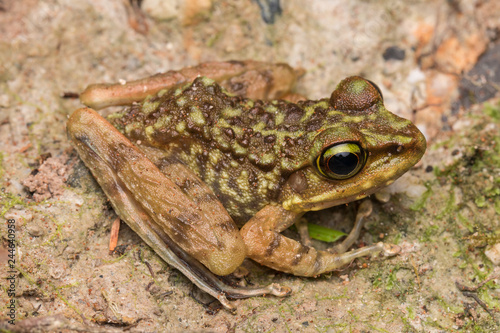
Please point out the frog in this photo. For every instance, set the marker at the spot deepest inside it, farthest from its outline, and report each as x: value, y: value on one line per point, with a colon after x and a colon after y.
x: 211, y: 163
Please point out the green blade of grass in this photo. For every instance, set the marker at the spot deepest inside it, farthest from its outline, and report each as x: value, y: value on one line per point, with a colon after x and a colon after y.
x: 324, y: 234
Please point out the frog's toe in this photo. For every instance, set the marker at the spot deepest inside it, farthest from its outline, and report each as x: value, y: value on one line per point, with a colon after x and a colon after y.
x: 244, y: 292
x: 389, y: 250
x: 279, y: 290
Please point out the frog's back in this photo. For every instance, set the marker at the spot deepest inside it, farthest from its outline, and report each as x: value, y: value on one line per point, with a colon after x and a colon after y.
x: 243, y: 149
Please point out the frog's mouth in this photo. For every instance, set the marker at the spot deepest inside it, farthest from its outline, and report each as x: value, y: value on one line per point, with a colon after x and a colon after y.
x: 324, y: 204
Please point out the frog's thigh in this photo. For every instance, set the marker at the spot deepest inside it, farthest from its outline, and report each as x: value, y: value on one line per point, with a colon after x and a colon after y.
x: 267, y: 246
x: 213, y: 239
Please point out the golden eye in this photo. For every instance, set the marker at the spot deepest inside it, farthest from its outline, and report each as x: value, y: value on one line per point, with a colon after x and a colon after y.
x: 341, y: 160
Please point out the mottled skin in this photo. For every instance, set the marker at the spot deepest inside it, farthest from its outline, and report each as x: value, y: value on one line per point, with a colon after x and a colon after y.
x: 209, y: 157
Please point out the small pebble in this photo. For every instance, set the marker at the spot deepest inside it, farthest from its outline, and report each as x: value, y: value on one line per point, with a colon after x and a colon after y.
x: 493, y: 253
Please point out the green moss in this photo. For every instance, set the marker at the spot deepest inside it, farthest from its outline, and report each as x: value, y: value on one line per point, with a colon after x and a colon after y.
x: 492, y: 111
x: 428, y: 233
x: 450, y: 205
x: 485, y: 294
x: 480, y: 201
x: 447, y: 306
x: 387, y: 279
x: 465, y: 222
x: 411, y: 313
x: 397, y: 238
x: 9, y: 200
x: 497, y: 205
x: 420, y: 203
x: 391, y: 280
x: 377, y: 281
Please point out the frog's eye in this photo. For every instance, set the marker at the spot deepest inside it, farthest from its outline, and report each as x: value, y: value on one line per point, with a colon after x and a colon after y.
x: 341, y: 160
x: 377, y: 88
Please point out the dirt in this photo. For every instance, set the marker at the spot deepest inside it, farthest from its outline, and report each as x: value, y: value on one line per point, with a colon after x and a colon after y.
x: 434, y: 62
x: 47, y: 181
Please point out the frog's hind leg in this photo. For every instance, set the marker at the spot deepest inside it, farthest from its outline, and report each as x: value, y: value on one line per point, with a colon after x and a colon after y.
x: 266, y: 245
x: 138, y: 192
x: 252, y: 79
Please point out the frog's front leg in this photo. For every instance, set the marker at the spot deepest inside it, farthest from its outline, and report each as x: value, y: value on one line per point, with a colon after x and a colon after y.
x: 183, y: 226
x: 364, y: 210
x: 267, y: 246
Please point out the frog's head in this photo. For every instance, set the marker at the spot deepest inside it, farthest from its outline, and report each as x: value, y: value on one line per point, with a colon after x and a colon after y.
x: 362, y: 148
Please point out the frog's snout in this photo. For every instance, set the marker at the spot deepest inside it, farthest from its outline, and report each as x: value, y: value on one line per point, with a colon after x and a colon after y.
x: 405, y: 153
x: 421, y: 144
x: 418, y: 144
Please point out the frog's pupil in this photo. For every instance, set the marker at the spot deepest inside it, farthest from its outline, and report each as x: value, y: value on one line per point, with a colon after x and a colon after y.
x: 343, y: 163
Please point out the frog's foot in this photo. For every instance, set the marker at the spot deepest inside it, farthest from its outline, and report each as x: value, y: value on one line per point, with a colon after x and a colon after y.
x: 182, y: 225
x: 266, y: 245
x: 390, y: 250
x: 364, y: 210
x: 252, y: 79
x: 204, y: 279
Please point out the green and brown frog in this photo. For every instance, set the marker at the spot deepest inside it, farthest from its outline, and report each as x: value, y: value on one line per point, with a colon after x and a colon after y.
x: 208, y: 176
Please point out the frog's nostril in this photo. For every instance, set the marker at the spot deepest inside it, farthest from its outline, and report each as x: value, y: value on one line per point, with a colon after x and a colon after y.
x: 396, y: 149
